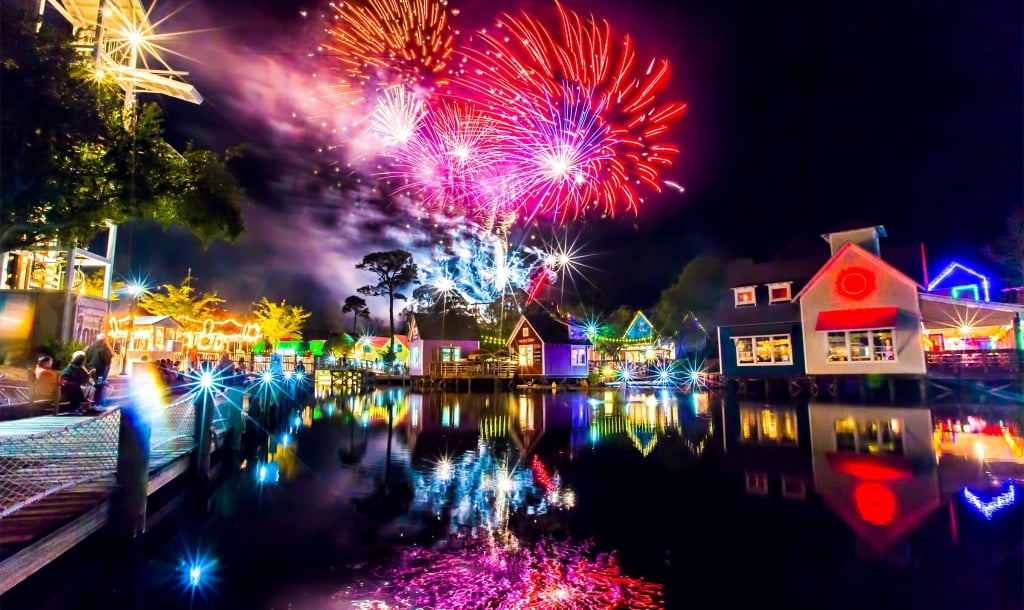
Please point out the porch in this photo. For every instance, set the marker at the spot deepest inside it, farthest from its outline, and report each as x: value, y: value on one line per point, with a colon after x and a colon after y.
x: 970, y: 339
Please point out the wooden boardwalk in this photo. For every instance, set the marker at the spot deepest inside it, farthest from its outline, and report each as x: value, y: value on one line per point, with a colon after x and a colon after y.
x: 44, y: 455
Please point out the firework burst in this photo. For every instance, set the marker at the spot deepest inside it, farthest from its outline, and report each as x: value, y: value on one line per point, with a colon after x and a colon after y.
x: 583, y: 119
x: 382, y: 43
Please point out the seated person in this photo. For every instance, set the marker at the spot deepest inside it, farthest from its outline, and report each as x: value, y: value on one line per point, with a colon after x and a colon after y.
x: 46, y: 380
x: 73, y: 381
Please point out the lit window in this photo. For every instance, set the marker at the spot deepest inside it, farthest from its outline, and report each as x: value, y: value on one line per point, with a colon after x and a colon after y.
x: 764, y: 350
x: 861, y: 346
x: 846, y: 435
x: 757, y: 483
x: 768, y: 426
x: 781, y: 292
x: 526, y: 331
x: 579, y: 356
x: 745, y: 295
x: 525, y: 355
x: 874, y: 437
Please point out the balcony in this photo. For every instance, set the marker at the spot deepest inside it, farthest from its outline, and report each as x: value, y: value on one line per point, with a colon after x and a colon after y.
x: 976, y: 364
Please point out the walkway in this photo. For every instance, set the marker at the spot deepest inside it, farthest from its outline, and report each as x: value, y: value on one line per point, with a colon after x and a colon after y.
x: 55, y: 470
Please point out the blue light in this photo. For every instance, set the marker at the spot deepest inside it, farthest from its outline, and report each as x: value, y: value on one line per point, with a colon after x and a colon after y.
x: 284, y: 439
x: 298, y: 421
x: 195, y: 575
x: 332, y: 360
x: 267, y: 376
x: 992, y: 506
x: 262, y: 473
x: 299, y: 375
x: 287, y: 374
x: 206, y: 380
x: 268, y: 473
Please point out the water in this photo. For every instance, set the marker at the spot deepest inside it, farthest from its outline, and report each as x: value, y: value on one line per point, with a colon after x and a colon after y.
x: 607, y: 500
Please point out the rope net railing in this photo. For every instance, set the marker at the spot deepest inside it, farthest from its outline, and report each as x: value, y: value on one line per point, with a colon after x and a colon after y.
x: 34, y: 466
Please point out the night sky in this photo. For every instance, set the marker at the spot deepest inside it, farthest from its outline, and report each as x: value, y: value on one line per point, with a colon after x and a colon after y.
x: 801, y: 116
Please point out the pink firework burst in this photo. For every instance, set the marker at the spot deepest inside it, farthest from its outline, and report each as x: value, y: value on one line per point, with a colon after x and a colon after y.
x: 583, y: 120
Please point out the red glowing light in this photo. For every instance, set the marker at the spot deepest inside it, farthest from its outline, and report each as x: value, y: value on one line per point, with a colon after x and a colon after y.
x: 875, y: 503
x: 870, y: 467
x: 540, y: 474
x: 855, y: 283
x: 855, y: 319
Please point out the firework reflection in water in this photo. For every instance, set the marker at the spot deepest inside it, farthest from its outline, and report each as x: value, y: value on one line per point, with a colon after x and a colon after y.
x: 487, y: 566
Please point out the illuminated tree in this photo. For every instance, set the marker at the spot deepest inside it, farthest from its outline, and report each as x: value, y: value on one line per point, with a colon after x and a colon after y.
x: 279, y: 320
x: 394, y: 270
x: 70, y: 165
x: 356, y: 305
x: 181, y: 302
x: 94, y: 285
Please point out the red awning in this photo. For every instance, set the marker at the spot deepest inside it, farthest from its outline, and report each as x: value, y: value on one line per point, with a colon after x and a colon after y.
x: 857, y: 319
x: 870, y: 467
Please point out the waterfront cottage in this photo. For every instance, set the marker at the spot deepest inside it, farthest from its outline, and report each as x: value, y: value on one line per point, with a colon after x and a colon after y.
x: 436, y: 338
x: 860, y: 314
x: 549, y: 348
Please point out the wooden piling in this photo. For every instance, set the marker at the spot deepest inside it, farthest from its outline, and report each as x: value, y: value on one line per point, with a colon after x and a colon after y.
x: 129, y: 505
x: 202, y: 426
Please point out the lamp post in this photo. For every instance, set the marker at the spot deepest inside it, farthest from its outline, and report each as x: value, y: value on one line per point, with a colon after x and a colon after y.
x: 444, y: 286
x: 135, y: 290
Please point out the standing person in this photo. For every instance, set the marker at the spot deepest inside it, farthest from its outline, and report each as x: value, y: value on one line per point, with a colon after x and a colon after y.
x: 97, y: 360
x: 225, y: 370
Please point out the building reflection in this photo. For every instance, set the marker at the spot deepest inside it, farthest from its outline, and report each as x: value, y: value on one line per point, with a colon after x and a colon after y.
x: 885, y: 472
x: 644, y: 418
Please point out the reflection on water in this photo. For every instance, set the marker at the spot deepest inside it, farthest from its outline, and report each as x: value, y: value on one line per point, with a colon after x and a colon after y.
x: 500, y: 493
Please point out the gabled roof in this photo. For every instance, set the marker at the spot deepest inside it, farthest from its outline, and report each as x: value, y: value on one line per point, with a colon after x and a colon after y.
x: 382, y: 342
x: 450, y: 327
x: 629, y: 327
x: 162, y: 321
x: 548, y: 329
x: 874, y: 260
x: 950, y: 269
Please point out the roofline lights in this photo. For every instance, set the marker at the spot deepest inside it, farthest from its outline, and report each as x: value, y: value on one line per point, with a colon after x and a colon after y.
x: 952, y: 267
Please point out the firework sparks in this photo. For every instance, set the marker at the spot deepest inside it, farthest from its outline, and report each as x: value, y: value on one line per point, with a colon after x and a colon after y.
x: 583, y: 118
x: 397, y: 115
x: 382, y: 43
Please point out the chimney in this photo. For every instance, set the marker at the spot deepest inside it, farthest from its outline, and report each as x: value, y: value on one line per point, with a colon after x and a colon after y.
x: 865, y: 237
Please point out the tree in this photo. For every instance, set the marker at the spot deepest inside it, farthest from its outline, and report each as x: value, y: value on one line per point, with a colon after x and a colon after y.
x: 698, y: 290
x: 279, y: 320
x: 394, y: 269
x: 1008, y: 250
x: 70, y: 166
x: 94, y: 285
x: 182, y: 302
x: 356, y: 305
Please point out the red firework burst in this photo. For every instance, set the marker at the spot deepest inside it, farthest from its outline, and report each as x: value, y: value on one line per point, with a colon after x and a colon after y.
x: 584, y: 119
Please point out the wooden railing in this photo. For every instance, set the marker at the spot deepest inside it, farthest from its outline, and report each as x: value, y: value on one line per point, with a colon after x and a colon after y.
x: 975, y: 363
x: 465, y: 369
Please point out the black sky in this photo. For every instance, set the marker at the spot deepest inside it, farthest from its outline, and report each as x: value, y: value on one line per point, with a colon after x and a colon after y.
x: 801, y: 116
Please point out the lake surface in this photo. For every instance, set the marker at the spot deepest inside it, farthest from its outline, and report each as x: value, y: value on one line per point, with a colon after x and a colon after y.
x: 642, y: 499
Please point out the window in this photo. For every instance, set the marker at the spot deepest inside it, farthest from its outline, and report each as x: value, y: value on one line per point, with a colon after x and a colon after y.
x: 745, y: 350
x: 745, y: 296
x: 764, y: 350
x: 770, y: 426
x: 579, y: 356
x: 846, y: 435
x: 526, y: 331
x: 748, y: 425
x: 781, y: 292
x: 969, y: 292
x: 874, y: 437
x: 451, y: 354
x: 793, y: 488
x: 861, y: 346
x: 525, y: 355
x: 757, y: 483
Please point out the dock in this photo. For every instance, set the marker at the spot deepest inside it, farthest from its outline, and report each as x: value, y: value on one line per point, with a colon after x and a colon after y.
x: 58, y: 475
